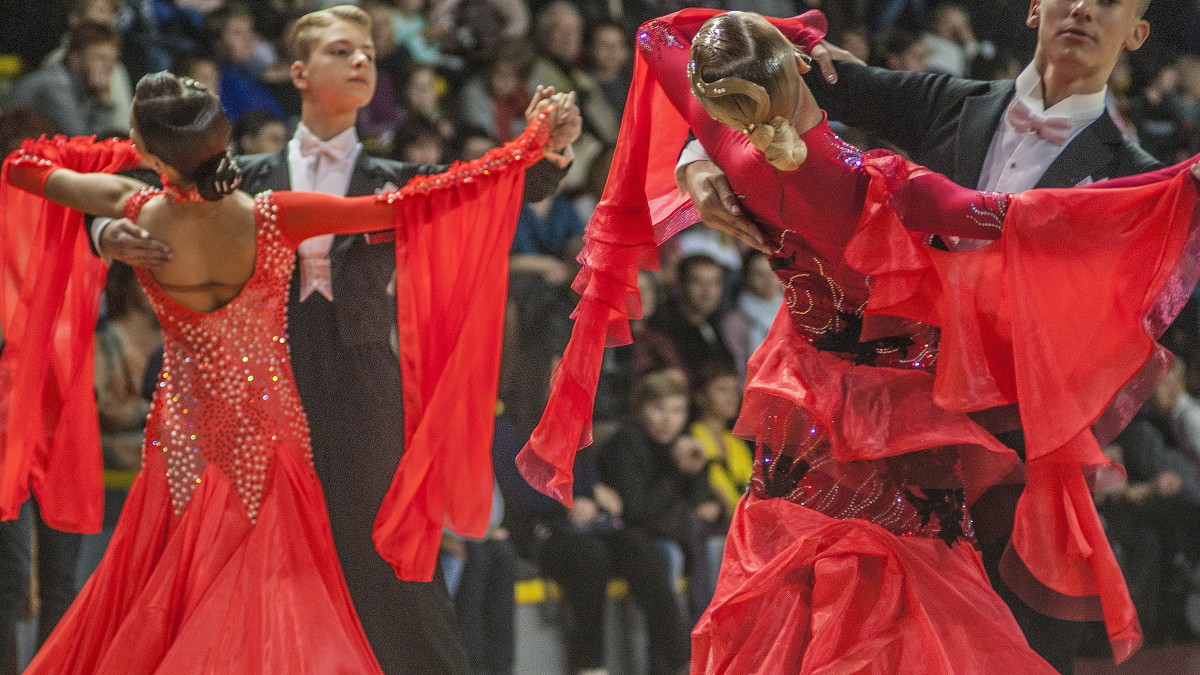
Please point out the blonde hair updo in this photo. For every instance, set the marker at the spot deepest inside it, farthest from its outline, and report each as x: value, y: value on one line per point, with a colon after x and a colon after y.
x: 743, y: 71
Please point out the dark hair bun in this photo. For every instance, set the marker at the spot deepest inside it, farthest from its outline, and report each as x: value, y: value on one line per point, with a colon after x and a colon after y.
x: 183, y: 123
x: 218, y: 176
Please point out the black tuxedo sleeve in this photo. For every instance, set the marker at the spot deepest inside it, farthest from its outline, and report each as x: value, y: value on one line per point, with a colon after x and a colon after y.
x: 901, y: 107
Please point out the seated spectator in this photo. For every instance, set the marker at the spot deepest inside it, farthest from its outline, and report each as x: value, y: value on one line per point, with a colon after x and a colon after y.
x: 125, y: 343
x: 471, y: 143
x: 418, y: 142
x: 951, y: 42
x: 418, y: 36
x: 378, y: 120
x: 1158, y: 116
x: 689, y: 321
x: 544, y: 227
x: 234, y: 40
x: 496, y: 101
x: 420, y: 91
x: 1143, y: 516
x: 480, y: 26
x: 607, y: 61
x: 717, y: 398
x: 103, y: 13
x: 902, y: 49
x: 259, y: 132
x: 75, y: 93
x: 201, y: 67
x: 17, y: 124
x: 658, y: 472
x: 756, y: 301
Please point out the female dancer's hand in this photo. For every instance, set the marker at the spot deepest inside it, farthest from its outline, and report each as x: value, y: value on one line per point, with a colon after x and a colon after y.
x: 716, y: 203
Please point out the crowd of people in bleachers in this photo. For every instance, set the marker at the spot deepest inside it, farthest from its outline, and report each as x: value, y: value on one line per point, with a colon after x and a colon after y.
x: 654, y: 494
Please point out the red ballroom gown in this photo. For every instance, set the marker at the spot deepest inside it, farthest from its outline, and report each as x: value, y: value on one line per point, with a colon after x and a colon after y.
x: 853, y: 551
x: 222, y: 560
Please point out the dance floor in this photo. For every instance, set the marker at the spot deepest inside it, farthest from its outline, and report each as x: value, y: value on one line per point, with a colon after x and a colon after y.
x: 1169, y: 660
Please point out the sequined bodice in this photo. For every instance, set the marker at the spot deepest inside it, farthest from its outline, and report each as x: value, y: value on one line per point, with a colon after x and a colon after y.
x: 226, y: 395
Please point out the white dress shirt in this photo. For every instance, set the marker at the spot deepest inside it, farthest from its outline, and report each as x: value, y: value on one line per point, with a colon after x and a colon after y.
x: 320, y: 166
x: 1017, y: 160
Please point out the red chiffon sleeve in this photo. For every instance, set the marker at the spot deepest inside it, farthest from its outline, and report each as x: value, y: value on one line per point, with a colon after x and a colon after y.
x: 49, y: 301
x: 640, y: 207
x: 1060, y: 314
x: 453, y: 234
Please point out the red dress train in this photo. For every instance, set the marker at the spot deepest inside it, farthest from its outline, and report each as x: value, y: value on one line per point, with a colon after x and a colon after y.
x: 222, y: 560
x: 853, y: 553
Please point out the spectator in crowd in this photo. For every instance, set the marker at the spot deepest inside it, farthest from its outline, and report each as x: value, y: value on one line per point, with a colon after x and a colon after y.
x: 607, y: 61
x: 125, y: 342
x: 479, y: 26
x: 558, y: 38
x: 420, y: 91
x: 416, y: 34
x: 717, y: 397
x: 234, y: 40
x: 689, y: 320
x: 470, y: 143
x: 201, y: 67
x: 19, y: 123
x: 259, y: 132
x: 545, y: 227
x: 622, y: 365
x: 103, y: 13
x: 659, y: 474
x: 903, y: 49
x: 950, y: 40
x: 416, y: 141
x: 1158, y: 117
x: 484, y: 598
x: 496, y: 100
x: 377, y: 122
x: 1188, y: 97
x: 756, y: 302
x: 75, y: 93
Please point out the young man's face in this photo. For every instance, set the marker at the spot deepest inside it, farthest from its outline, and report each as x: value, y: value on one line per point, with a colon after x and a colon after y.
x: 340, y: 72
x: 1087, y: 33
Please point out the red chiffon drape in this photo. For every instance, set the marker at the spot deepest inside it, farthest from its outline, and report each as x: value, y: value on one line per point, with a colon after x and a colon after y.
x: 49, y: 301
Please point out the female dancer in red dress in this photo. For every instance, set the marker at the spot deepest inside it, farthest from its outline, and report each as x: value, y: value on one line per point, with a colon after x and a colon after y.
x: 222, y: 561
x: 853, y: 551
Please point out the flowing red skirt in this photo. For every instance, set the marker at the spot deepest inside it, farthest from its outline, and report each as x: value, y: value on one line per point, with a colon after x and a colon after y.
x: 801, y: 592
x: 210, y: 592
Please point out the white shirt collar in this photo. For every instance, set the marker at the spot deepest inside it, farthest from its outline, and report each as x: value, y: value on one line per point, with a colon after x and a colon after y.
x: 1080, y: 108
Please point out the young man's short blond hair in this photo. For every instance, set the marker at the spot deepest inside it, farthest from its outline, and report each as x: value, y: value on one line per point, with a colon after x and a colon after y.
x: 303, y: 32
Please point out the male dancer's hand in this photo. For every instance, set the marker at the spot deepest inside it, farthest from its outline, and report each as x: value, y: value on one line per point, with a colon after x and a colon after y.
x: 565, y: 125
x: 122, y: 240
x: 716, y: 203
x: 826, y: 53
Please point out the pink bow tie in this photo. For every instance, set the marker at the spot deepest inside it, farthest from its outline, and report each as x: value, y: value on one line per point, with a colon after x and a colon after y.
x: 337, y: 149
x: 1054, y: 129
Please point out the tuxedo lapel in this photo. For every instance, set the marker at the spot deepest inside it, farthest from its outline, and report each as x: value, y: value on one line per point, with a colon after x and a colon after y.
x: 977, y: 124
x: 1087, y: 156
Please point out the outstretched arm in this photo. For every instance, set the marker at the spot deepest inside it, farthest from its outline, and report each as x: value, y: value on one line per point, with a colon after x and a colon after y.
x: 76, y: 173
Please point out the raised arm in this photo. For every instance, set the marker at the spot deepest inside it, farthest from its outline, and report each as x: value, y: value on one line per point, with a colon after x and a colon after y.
x: 75, y: 173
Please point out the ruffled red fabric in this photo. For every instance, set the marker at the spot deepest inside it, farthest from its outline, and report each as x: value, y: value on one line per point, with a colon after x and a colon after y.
x: 49, y: 301
x: 452, y: 244
x: 1059, y: 314
x: 640, y: 208
x: 801, y: 592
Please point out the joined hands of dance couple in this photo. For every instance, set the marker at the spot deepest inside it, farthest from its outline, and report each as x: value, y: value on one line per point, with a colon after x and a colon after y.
x: 877, y: 398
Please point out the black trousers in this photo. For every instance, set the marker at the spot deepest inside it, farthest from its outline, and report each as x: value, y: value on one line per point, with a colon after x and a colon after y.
x: 485, y: 606
x: 353, y: 400
x: 58, y: 553
x: 582, y: 564
x: 1056, y: 640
